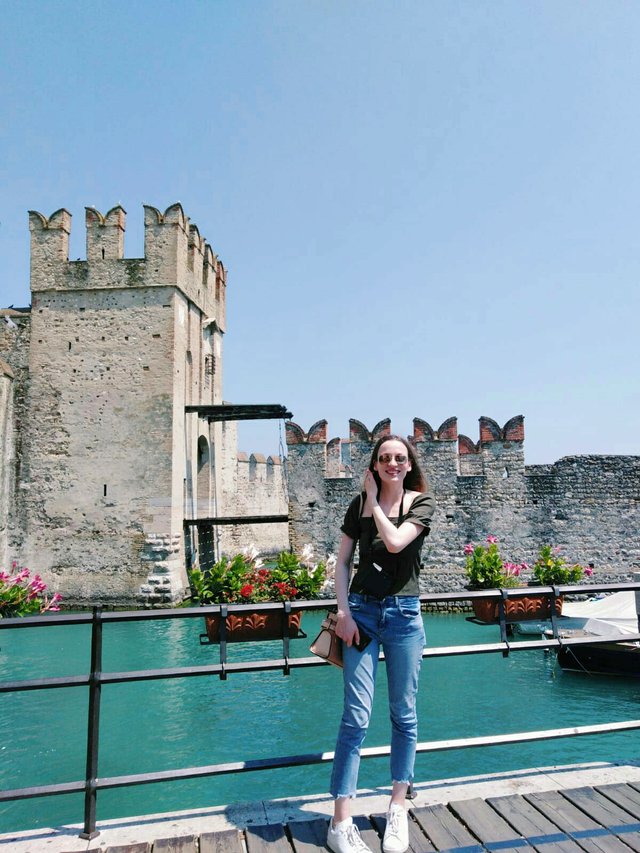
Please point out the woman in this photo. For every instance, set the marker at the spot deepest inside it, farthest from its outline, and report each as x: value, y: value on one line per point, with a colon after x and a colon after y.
x: 382, y: 607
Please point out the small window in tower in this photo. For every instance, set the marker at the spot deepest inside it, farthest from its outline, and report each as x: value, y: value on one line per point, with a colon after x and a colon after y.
x: 102, y: 254
x: 104, y: 490
x: 69, y: 346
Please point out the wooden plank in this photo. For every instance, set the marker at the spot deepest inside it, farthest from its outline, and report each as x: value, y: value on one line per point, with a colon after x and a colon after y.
x: 589, y: 834
x: 607, y: 814
x: 367, y: 831
x: 143, y: 847
x: 418, y: 841
x: 443, y: 830
x: 623, y: 795
x: 185, y: 844
x: 269, y: 838
x: 536, y: 828
x: 487, y: 825
x: 227, y: 841
x: 307, y: 836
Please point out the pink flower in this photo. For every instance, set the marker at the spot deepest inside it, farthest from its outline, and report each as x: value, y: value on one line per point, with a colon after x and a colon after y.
x: 468, y: 549
x: 492, y: 540
x: 524, y: 567
x: 588, y: 571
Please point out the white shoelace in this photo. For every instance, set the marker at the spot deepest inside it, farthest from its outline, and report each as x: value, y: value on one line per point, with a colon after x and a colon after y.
x: 355, y: 839
x: 393, y: 823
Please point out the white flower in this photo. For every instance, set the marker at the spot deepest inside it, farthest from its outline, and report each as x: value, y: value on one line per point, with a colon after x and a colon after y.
x: 250, y: 552
x: 258, y: 564
x: 331, y: 561
x: 307, y: 554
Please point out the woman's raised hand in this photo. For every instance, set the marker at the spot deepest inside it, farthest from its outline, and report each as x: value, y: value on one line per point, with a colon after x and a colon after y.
x: 370, y: 487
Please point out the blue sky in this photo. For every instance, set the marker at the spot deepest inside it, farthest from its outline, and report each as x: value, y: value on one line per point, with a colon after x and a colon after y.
x: 425, y: 208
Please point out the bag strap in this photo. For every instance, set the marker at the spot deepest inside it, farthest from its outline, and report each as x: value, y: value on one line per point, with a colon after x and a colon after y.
x: 401, y: 516
x: 355, y: 541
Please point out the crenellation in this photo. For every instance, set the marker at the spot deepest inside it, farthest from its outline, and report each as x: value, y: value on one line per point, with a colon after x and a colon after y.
x: 49, y: 247
x: 587, y: 504
x: 105, y: 234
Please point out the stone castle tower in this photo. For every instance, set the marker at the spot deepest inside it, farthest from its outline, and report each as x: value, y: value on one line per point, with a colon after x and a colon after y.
x: 107, y: 462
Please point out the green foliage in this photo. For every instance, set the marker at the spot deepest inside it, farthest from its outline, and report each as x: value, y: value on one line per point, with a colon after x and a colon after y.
x: 552, y: 568
x: 486, y: 568
x: 244, y: 578
x: 22, y: 595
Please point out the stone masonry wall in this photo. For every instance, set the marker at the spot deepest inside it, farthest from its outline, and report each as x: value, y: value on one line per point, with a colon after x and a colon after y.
x: 105, y: 455
x: 588, y: 505
x: 15, y: 336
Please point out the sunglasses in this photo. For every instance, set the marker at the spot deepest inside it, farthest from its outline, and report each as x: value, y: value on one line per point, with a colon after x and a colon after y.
x: 385, y: 458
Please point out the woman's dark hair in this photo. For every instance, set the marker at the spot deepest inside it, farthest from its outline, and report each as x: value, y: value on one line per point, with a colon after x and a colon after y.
x: 415, y: 479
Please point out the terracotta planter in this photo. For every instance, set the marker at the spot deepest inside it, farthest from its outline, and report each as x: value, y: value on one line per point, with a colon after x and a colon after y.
x: 248, y: 627
x: 521, y: 609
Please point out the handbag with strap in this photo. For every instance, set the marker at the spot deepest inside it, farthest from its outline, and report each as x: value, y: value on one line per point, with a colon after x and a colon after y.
x: 327, y: 644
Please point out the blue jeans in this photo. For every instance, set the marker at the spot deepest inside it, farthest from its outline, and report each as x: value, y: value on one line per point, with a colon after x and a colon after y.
x: 396, y: 624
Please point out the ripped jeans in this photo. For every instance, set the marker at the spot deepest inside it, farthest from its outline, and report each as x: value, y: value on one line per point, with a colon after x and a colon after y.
x: 395, y: 623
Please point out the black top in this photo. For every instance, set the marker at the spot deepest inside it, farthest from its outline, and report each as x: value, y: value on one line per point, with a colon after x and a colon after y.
x: 405, y: 565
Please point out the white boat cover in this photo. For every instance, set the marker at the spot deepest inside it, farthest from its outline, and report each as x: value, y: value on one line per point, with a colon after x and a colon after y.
x: 600, y: 615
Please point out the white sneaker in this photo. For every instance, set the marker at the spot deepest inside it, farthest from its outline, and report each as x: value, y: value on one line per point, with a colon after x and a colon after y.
x: 346, y: 838
x: 396, y: 833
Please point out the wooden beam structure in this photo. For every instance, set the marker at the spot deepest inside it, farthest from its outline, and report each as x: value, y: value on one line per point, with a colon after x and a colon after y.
x: 239, y: 519
x: 241, y: 411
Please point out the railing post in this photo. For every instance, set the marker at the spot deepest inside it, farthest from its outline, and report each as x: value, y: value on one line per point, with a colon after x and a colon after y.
x: 285, y: 637
x: 93, y: 728
x: 636, y: 579
x: 224, y: 612
x: 552, y: 612
x: 502, y: 615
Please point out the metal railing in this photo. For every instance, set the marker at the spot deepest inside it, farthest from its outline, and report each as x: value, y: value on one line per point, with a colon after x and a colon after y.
x: 96, y: 677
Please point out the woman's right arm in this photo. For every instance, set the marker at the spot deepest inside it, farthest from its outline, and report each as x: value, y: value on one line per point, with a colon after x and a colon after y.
x: 346, y: 628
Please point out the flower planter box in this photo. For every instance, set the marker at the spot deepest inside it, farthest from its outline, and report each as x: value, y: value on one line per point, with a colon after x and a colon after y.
x: 521, y: 609
x: 254, y: 627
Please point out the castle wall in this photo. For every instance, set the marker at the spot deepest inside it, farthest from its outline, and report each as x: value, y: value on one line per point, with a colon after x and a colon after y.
x: 15, y: 328
x: 588, y: 505
x: 118, y: 347
x: 6, y: 455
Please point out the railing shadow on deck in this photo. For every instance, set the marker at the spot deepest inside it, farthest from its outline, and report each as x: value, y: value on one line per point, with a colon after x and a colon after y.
x: 96, y: 677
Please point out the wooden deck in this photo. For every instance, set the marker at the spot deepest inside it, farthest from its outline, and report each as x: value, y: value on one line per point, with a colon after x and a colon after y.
x: 601, y: 819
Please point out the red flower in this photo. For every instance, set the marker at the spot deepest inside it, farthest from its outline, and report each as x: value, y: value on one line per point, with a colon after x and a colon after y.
x: 263, y: 573
x: 246, y: 591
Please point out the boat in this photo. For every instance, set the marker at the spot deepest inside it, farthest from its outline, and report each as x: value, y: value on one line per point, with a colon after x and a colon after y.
x: 609, y: 616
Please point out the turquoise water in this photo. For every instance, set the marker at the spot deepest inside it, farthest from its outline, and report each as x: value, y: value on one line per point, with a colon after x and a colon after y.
x: 195, y: 721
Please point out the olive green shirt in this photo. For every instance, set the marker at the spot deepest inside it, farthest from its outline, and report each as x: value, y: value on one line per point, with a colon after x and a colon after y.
x: 405, y: 565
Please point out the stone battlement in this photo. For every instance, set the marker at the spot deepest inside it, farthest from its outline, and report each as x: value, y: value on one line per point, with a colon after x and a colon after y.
x: 586, y: 504
x: 175, y: 255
